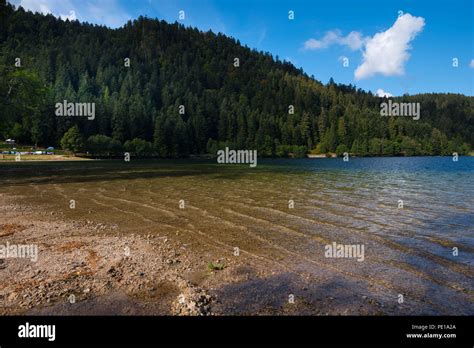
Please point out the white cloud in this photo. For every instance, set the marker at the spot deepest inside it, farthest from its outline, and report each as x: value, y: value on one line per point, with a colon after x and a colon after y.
x: 353, y: 40
x: 108, y: 13
x: 34, y: 6
x: 54, y: 7
x: 387, y: 52
x: 471, y: 64
x: 71, y: 16
x: 381, y: 93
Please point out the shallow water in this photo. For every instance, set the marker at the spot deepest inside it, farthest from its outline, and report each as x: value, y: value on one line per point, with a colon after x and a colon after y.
x: 408, y: 250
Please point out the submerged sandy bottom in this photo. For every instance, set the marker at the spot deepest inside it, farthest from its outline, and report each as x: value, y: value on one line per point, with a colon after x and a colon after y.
x: 142, y: 237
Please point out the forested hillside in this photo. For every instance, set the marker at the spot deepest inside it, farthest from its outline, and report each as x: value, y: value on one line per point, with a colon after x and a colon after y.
x: 247, y: 106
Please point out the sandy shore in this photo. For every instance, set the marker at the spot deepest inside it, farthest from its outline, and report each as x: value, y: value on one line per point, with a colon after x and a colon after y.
x: 85, y: 267
x: 88, y: 268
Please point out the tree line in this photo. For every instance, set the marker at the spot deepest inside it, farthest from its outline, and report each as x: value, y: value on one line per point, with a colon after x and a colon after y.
x: 183, y: 94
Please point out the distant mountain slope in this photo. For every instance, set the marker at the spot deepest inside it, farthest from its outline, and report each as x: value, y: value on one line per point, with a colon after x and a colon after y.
x: 224, y: 105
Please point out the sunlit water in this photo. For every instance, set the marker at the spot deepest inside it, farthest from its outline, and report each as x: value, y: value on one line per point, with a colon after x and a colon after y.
x: 408, y: 250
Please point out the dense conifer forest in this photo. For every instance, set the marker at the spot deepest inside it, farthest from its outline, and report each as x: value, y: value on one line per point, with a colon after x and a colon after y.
x: 183, y: 94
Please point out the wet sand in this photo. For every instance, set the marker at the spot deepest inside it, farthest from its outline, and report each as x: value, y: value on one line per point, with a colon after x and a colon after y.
x: 109, y: 273
x: 280, y: 267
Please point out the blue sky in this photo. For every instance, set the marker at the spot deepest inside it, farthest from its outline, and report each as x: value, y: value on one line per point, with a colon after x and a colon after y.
x: 387, y: 51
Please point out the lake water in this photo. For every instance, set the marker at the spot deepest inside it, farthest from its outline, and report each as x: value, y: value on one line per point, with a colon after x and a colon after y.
x: 408, y: 250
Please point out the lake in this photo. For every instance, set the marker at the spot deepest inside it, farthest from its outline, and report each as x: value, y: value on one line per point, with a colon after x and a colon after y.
x: 413, y: 216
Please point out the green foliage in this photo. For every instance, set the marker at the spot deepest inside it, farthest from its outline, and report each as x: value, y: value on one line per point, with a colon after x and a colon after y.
x: 17, y: 132
x: 359, y: 147
x: 139, y: 147
x: 23, y: 102
x: 103, y: 145
x: 299, y: 151
x: 72, y: 140
x: 409, y: 146
x: 215, y: 266
x: 212, y: 146
x: 341, y: 148
x: 174, y: 66
x: 375, y: 147
x: 291, y: 151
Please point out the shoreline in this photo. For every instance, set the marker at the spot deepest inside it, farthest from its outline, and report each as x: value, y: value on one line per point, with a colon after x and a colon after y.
x: 11, y: 158
x: 90, y: 269
x: 87, y: 267
x: 42, y: 158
